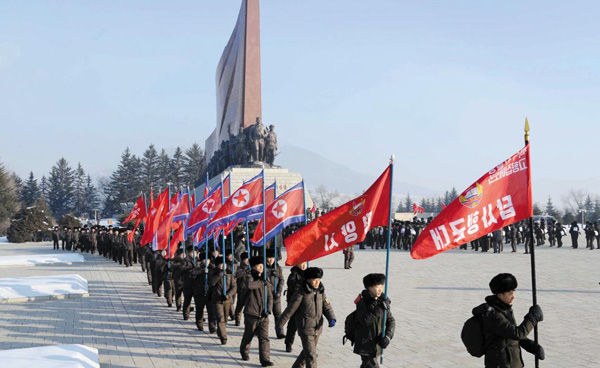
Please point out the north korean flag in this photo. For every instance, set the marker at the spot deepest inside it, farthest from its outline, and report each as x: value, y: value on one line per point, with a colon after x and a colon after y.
x: 204, y: 210
x: 246, y: 201
x: 183, y: 211
x: 285, y: 210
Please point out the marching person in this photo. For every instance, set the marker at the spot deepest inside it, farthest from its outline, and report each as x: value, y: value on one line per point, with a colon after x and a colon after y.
x: 309, y: 305
x: 256, y: 316
x: 275, y: 276
x: 294, y: 283
x: 348, y: 257
x: 503, y: 336
x: 221, y: 278
x: 55, y: 236
x: 370, y: 307
x: 241, y: 272
x: 574, y: 231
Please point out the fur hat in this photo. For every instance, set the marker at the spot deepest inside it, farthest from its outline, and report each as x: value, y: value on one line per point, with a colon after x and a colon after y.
x: 218, y: 261
x: 228, y: 252
x: 270, y: 253
x: 202, y: 255
x: 502, y: 283
x: 244, y: 256
x: 373, y: 279
x: 256, y: 260
x: 313, y: 273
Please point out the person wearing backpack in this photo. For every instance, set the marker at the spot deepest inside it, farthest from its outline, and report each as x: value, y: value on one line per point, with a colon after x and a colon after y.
x: 368, y: 334
x: 308, y: 306
x: 502, y: 337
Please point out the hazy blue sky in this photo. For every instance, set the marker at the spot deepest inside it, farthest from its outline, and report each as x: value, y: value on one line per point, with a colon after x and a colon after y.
x: 445, y: 85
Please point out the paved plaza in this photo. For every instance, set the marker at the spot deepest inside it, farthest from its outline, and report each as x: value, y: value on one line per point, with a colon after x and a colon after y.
x: 431, y: 299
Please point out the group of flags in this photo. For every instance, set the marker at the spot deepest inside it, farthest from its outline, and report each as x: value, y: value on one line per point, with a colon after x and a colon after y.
x: 499, y: 198
x: 171, y: 219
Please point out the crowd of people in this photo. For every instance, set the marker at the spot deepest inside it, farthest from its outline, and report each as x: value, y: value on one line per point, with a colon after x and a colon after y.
x: 231, y: 283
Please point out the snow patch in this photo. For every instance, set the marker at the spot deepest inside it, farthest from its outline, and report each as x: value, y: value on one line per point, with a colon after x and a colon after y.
x: 53, y: 356
x: 40, y: 259
x: 23, y: 289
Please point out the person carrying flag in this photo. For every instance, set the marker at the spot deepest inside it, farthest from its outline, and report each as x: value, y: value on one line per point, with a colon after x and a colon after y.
x: 222, y: 290
x: 309, y: 305
x: 294, y: 282
x: 275, y: 276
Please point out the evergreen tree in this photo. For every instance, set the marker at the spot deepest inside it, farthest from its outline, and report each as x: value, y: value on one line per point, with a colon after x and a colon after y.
x: 453, y: 195
x: 536, y: 209
x: 91, y: 197
x: 438, y: 205
x: 551, y: 210
x: 9, y: 200
x: 79, y: 204
x: 30, y: 192
x: 124, y: 184
x: 44, y: 187
x: 18, y: 183
x: 177, y: 175
x: 588, y: 205
x: 30, y: 223
x: 194, y: 166
x: 60, y: 188
x: 164, y: 168
x: 447, y: 198
x: 150, y: 168
x: 568, y: 217
x: 408, y: 203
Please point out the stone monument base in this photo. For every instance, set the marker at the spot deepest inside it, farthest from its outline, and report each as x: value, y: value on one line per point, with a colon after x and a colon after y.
x: 239, y: 174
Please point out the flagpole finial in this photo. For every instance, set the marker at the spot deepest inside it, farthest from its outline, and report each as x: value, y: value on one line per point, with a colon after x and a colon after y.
x: 526, y: 130
x: 392, y: 159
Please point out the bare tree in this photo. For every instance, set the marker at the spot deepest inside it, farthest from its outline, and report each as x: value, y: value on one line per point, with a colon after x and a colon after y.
x: 574, y: 200
x: 324, y: 198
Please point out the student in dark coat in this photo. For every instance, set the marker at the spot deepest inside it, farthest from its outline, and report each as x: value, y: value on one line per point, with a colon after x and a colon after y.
x: 294, y: 283
x: 256, y: 316
x: 503, y: 336
x: 308, y: 306
x: 368, y: 334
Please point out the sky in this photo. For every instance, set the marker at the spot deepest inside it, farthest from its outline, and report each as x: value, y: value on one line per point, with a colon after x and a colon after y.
x: 445, y: 86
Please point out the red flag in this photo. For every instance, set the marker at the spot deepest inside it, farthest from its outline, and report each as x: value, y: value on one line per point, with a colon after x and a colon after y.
x: 163, y: 232
x: 245, y: 202
x: 203, y: 212
x: 499, y: 198
x: 270, y: 194
x: 154, y: 215
x: 417, y: 209
x: 226, y: 187
x: 138, y: 211
x: 286, y: 210
x: 183, y: 211
x: 313, y: 209
x: 342, y: 227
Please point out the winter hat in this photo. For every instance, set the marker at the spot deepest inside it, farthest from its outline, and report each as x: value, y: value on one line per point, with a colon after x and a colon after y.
x: 270, y: 253
x: 373, y: 279
x: 228, y: 252
x: 313, y: 273
x: 256, y: 260
x: 218, y: 261
x: 502, y: 283
x: 244, y: 256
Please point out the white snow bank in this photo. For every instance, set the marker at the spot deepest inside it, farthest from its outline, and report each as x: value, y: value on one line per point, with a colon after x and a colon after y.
x: 40, y: 259
x: 22, y: 289
x: 53, y: 356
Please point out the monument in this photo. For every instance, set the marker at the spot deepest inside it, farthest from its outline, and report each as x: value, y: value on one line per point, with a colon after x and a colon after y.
x: 241, y: 145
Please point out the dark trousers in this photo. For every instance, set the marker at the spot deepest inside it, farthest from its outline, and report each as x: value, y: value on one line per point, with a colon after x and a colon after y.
x: 239, y: 306
x: 201, y: 301
x: 348, y: 259
x: 169, y: 291
x: 259, y: 327
x: 574, y: 240
x: 369, y: 362
x: 290, y: 333
x: 55, y: 244
x: 128, y: 256
x: 559, y: 241
x: 187, y: 302
x: 64, y: 242
x: 222, y: 312
x: 178, y: 296
x: 308, y: 356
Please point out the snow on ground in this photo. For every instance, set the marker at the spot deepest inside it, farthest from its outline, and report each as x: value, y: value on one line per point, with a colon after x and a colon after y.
x: 52, y: 356
x: 40, y: 259
x: 22, y: 289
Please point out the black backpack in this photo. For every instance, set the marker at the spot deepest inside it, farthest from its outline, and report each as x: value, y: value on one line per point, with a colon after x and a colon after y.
x: 349, y: 327
x: 473, y: 337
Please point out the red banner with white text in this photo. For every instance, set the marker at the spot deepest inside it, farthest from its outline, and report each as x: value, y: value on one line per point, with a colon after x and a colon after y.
x: 499, y: 198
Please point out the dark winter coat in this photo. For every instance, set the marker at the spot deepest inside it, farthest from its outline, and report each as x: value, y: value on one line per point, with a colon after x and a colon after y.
x: 177, y: 269
x: 215, y: 281
x: 308, y: 306
x: 255, y: 297
x: 369, y: 315
x: 201, y: 277
x: 294, y: 282
x: 272, y: 275
x: 502, y: 335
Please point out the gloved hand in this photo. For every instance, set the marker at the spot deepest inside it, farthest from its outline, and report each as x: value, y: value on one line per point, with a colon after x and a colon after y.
x: 531, y: 347
x: 383, y: 341
x: 278, y: 331
x: 535, y: 313
x: 265, y: 314
x: 332, y: 323
x: 385, y: 303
